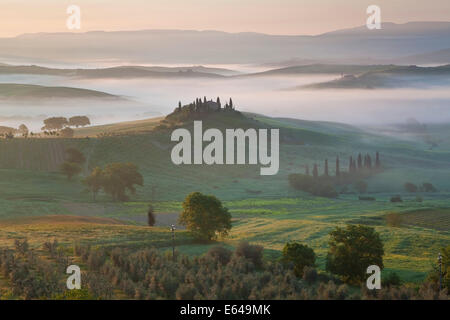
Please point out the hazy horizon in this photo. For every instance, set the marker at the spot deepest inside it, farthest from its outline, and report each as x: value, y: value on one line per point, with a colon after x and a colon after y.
x: 286, y: 17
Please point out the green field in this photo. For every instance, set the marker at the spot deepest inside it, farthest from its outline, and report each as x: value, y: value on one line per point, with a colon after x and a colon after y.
x: 265, y: 209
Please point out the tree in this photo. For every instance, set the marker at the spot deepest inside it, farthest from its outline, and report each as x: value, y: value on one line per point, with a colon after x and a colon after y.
x: 151, y: 216
x: 79, y: 121
x: 377, y: 161
x: 410, y: 187
x: 75, y: 156
x: 300, y: 255
x: 23, y: 129
x: 326, y: 168
x: 94, y: 181
x: 205, y: 216
x: 315, y: 171
x: 360, y: 162
x: 120, y: 177
x: 338, y: 169
x: 352, y: 250
x: 361, y: 186
x: 67, y: 133
x: 218, y: 102
x: 428, y: 187
x: 231, y: 104
x: 70, y: 169
x: 54, y: 123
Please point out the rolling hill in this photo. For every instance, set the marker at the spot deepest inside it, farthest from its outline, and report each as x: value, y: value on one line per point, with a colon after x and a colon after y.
x: 390, y: 77
x: 120, y: 72
x: 18, y: 92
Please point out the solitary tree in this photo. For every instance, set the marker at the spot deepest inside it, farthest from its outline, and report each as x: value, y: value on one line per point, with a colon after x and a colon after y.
x: 120, y: 177
x: 338, y: 169
x: 300, y: 255
x: 352, y: 250
x: 205, y: 216
x: 151, y: 216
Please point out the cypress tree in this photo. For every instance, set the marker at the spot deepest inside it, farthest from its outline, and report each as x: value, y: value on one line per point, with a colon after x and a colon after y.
x: 377, y: 161
x: 315, y: 171
x: 350, y: 166
x: 360, y: 164
x: 326, y: 168
x: 307, y: 170
x: 218, y: 102
x: 231, y: 104
x: 338, y: 169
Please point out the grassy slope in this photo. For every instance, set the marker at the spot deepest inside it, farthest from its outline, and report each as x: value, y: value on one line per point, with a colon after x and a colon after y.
x: 264, y: 209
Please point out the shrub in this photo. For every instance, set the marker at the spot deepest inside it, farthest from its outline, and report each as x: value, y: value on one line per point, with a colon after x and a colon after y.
x: 391, y: 279
x: 300, y: 255
x: 428, y: 187
x: 221, y: 254
x: 367, y: 198
x: 410, y: 187
x: 250, y: 252
x: 309, y: 275
x: 396, y: 199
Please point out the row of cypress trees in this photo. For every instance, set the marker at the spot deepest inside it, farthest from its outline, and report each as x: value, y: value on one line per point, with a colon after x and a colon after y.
x: 359, y: 164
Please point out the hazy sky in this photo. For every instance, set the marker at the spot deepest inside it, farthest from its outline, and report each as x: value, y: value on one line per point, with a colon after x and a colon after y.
x: 267, y: 16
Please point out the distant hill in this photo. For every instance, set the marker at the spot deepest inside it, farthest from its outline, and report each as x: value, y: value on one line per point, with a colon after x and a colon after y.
x: 215, y: 47
x: 436, y: 57
x: 393, y: 77
x: 17, y: 92
x: 321, y: 69
x: 119, y: 72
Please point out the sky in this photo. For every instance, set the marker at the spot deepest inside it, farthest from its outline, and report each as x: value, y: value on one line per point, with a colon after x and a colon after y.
x: 299, y: 17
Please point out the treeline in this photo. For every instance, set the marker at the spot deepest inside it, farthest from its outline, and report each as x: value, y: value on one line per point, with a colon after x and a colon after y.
x: 53, y: 127
x: 324, y: 184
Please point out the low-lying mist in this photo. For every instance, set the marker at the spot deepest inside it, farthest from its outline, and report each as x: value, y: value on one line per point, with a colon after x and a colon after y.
x: 265, y: 95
